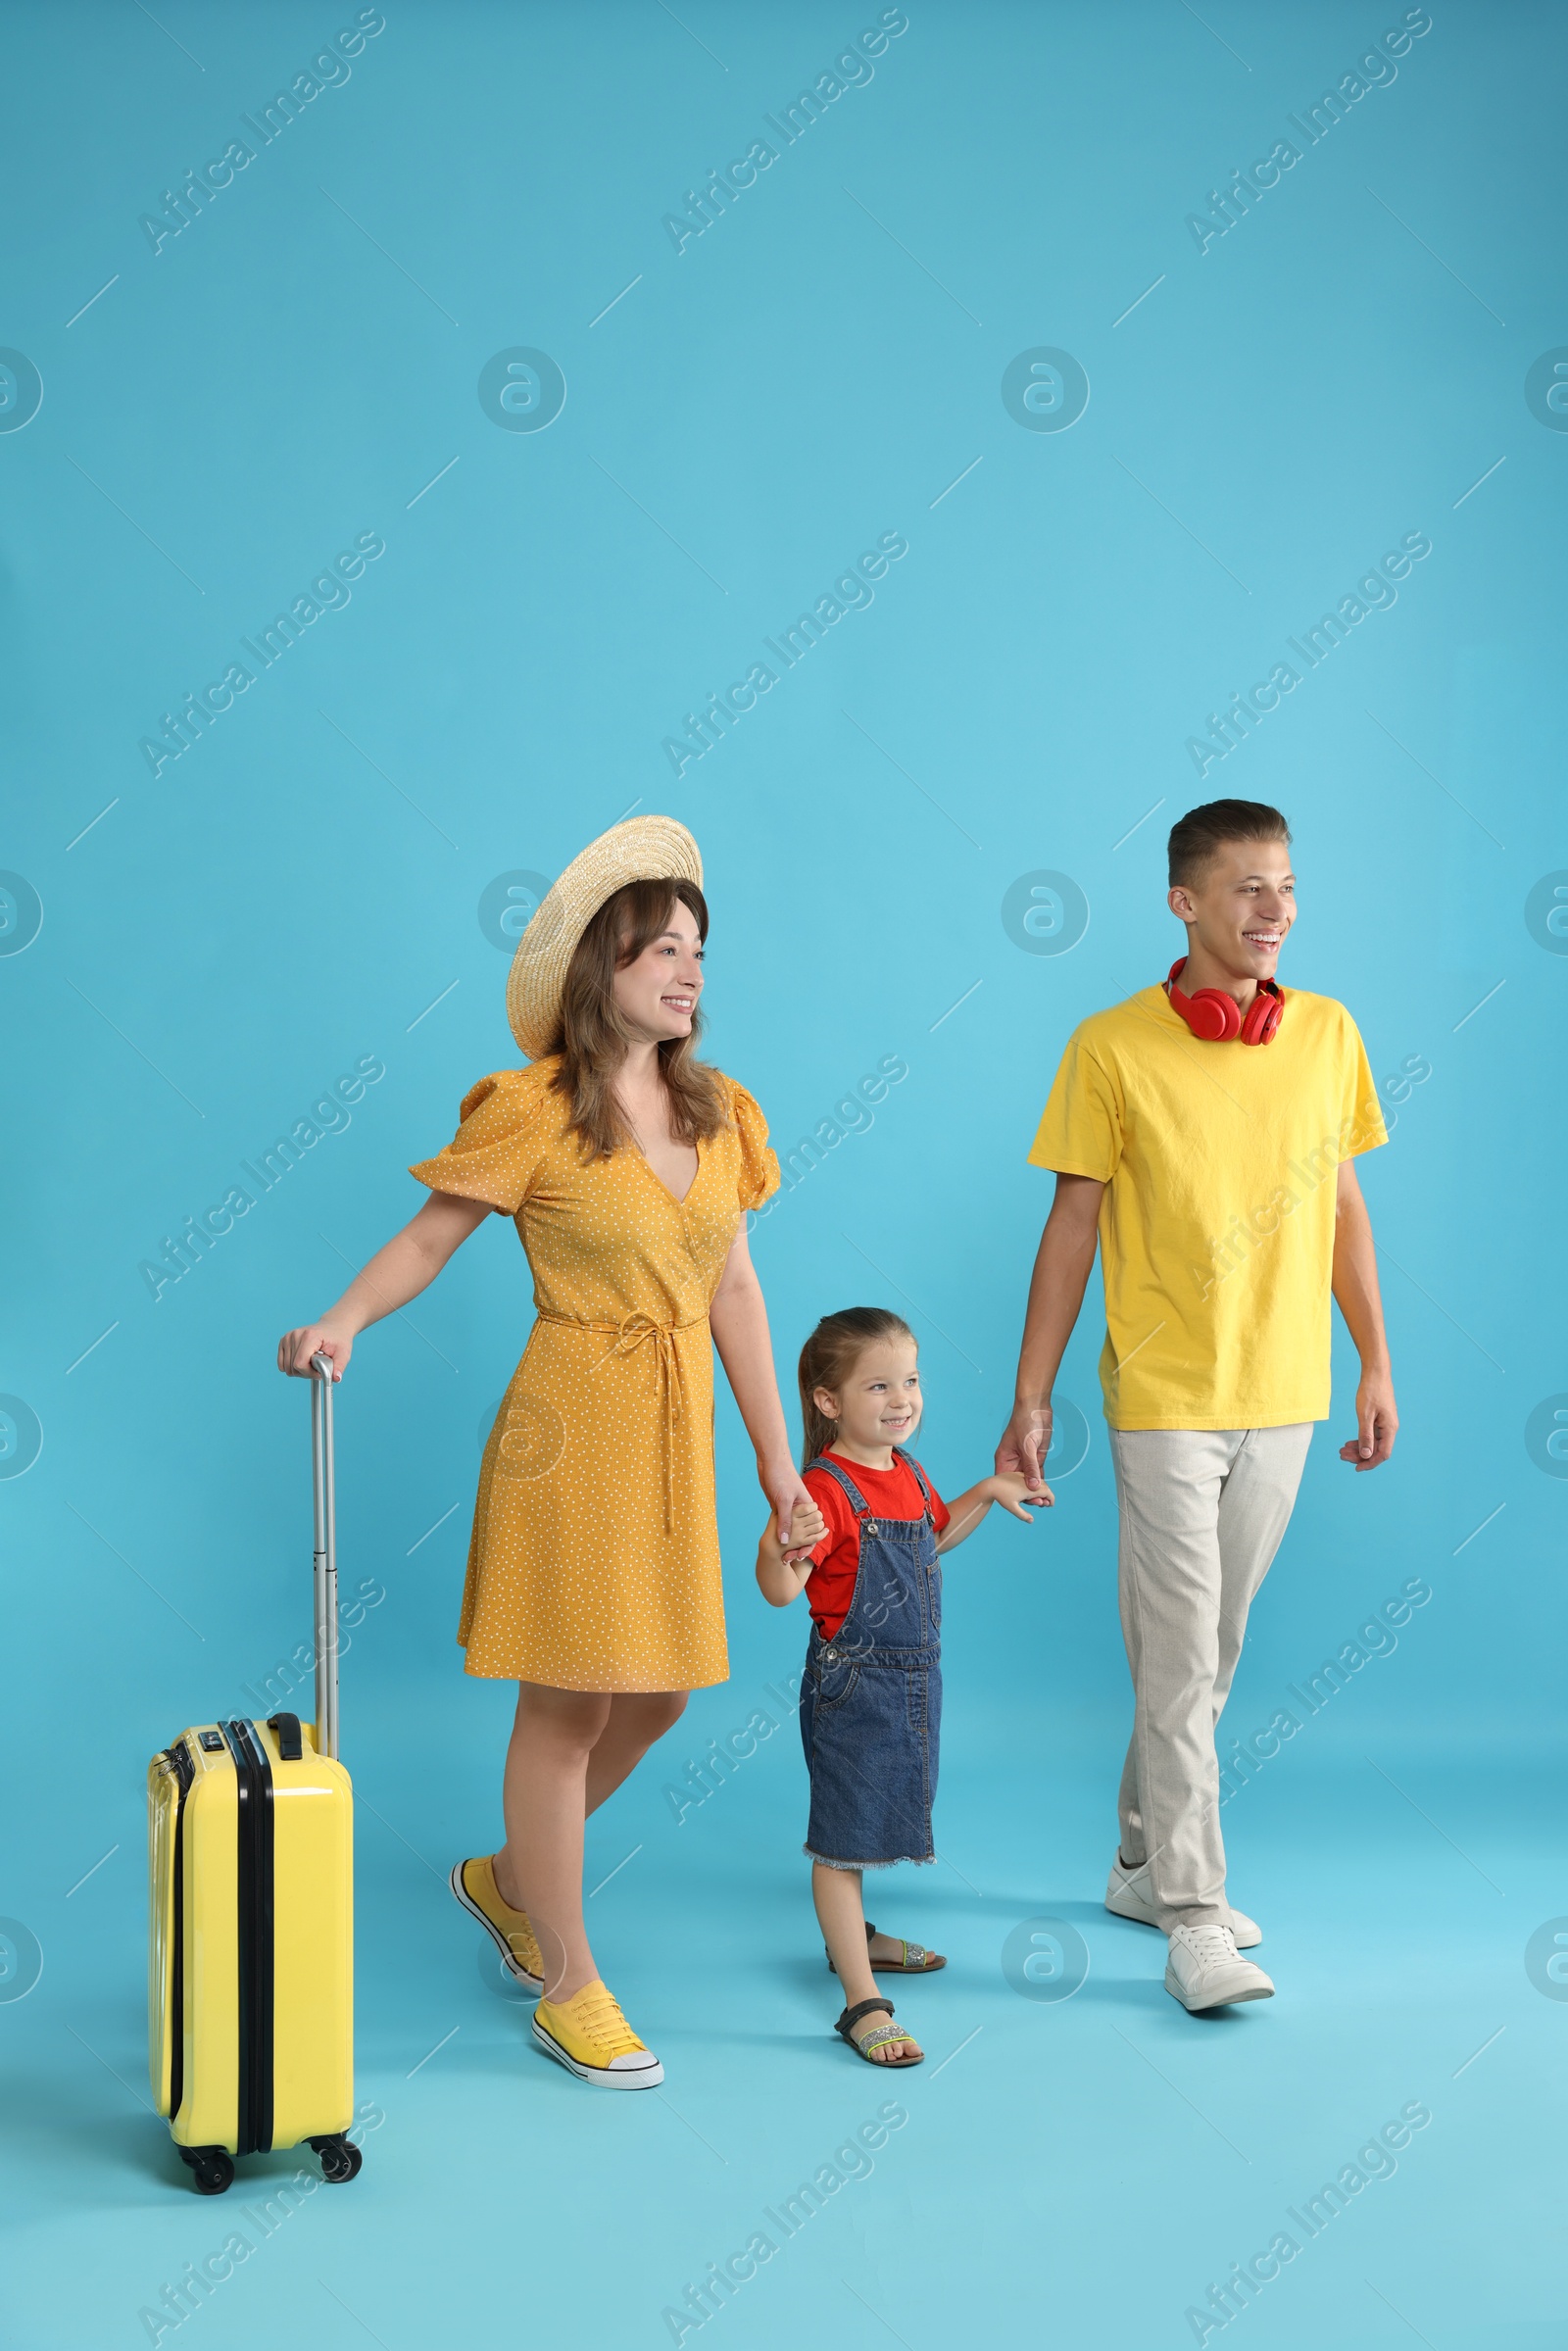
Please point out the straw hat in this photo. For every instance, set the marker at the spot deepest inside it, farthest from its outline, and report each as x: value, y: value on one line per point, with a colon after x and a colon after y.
x: 643, y: 849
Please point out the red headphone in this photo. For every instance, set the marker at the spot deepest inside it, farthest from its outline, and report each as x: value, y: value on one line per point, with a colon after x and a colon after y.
x: 1217, y: 1018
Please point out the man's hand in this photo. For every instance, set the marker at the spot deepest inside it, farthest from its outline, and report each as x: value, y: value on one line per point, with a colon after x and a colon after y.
x: 1025, y: 1442
x: 1376, y: 1422
x: 1356, y: 1287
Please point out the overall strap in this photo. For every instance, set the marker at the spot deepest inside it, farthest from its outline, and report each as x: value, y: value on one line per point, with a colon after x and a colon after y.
x: 857, y: 1502
x: 909, y: 1462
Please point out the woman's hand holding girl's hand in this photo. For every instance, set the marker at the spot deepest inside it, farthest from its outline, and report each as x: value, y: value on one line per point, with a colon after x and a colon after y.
x: 783, y: 1556
x: 1015, y: 1491
x: 296, y: 1348
x: 805, y: 1530
x: 789, y: 1493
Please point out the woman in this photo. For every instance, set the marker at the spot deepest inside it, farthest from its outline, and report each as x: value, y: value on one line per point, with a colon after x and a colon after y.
x: 627, y: 1166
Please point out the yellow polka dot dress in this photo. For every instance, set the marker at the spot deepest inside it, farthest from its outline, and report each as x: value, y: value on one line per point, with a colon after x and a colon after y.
x: 594, y: 1560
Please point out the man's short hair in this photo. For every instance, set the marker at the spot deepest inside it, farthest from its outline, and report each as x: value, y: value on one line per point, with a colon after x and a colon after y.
x: 1194, y: 836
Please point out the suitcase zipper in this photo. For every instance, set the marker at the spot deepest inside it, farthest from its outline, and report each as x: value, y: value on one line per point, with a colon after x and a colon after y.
x: 178, y: 1759
x: 253, y: 1777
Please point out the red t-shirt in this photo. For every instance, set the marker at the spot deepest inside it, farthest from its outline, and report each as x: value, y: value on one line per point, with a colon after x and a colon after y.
x: 889, y: 1493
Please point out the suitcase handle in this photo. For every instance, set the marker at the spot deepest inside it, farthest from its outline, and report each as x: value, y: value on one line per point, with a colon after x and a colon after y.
x: 285, y: 1728
x: 325, y: 1563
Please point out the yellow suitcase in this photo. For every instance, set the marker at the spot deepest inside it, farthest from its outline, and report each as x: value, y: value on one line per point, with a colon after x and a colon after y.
x: 251, y: 1943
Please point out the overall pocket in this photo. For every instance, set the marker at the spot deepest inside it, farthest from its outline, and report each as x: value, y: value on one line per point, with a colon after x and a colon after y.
x: 834, y: 1678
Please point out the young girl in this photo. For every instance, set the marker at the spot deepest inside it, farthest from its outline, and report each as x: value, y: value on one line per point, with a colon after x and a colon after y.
x: 871, y: 1699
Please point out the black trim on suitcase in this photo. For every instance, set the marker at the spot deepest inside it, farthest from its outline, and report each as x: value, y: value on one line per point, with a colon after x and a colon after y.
x: 253, y: 1775
x: 178, y: 1759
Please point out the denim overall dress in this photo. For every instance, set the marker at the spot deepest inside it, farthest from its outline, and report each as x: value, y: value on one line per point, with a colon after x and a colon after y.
x: 871, y: 1697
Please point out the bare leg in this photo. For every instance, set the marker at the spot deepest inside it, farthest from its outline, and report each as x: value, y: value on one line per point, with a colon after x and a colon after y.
x: 842, y: 1918
x: 570, y: 1751
x: 539, y: 1868
x: 636, y: 1719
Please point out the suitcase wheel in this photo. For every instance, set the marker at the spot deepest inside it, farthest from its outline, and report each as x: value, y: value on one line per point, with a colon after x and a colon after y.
x: 212, y: 2169
x: 340, y: 2158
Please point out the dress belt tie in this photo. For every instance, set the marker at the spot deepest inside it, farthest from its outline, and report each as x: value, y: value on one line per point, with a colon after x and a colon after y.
x: 626, y: 1337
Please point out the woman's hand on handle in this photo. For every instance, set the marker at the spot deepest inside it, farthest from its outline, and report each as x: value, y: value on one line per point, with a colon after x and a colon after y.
x: 296, y: 1348
x: 407, y: 1265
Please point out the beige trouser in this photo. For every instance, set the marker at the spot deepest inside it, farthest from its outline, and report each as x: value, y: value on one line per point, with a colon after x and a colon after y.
x: 1202, y: 1511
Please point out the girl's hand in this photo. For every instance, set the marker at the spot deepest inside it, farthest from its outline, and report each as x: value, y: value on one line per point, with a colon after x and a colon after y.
x: 296, y: 1348
x: 1014, y: 1491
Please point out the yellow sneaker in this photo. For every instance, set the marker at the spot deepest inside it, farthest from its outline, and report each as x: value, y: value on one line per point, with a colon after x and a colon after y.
x: 591, y: 2039
x: 474, y: 1884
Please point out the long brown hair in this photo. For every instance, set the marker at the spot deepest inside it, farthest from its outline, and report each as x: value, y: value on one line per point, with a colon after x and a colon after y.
x: 592, y: 1037
x: 829, y: 1356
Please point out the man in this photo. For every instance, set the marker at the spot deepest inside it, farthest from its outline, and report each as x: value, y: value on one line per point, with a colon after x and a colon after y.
x: 1205, y: 1131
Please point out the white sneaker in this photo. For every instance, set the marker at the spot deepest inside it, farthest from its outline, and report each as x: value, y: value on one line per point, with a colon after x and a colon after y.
x: 1204, y: 1970
x: 1128, y: 1895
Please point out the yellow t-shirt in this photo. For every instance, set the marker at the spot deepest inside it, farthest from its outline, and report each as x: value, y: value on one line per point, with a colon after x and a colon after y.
x: 1216, y: 1227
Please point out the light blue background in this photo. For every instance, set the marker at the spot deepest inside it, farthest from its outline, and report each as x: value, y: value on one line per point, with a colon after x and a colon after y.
x: 301, y: 889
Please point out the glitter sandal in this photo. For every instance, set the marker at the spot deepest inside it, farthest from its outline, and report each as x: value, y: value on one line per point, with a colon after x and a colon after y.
x: 877, y: 2038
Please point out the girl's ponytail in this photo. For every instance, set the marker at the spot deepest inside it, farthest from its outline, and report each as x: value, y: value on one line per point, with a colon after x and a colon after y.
x: 830, y: 1355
